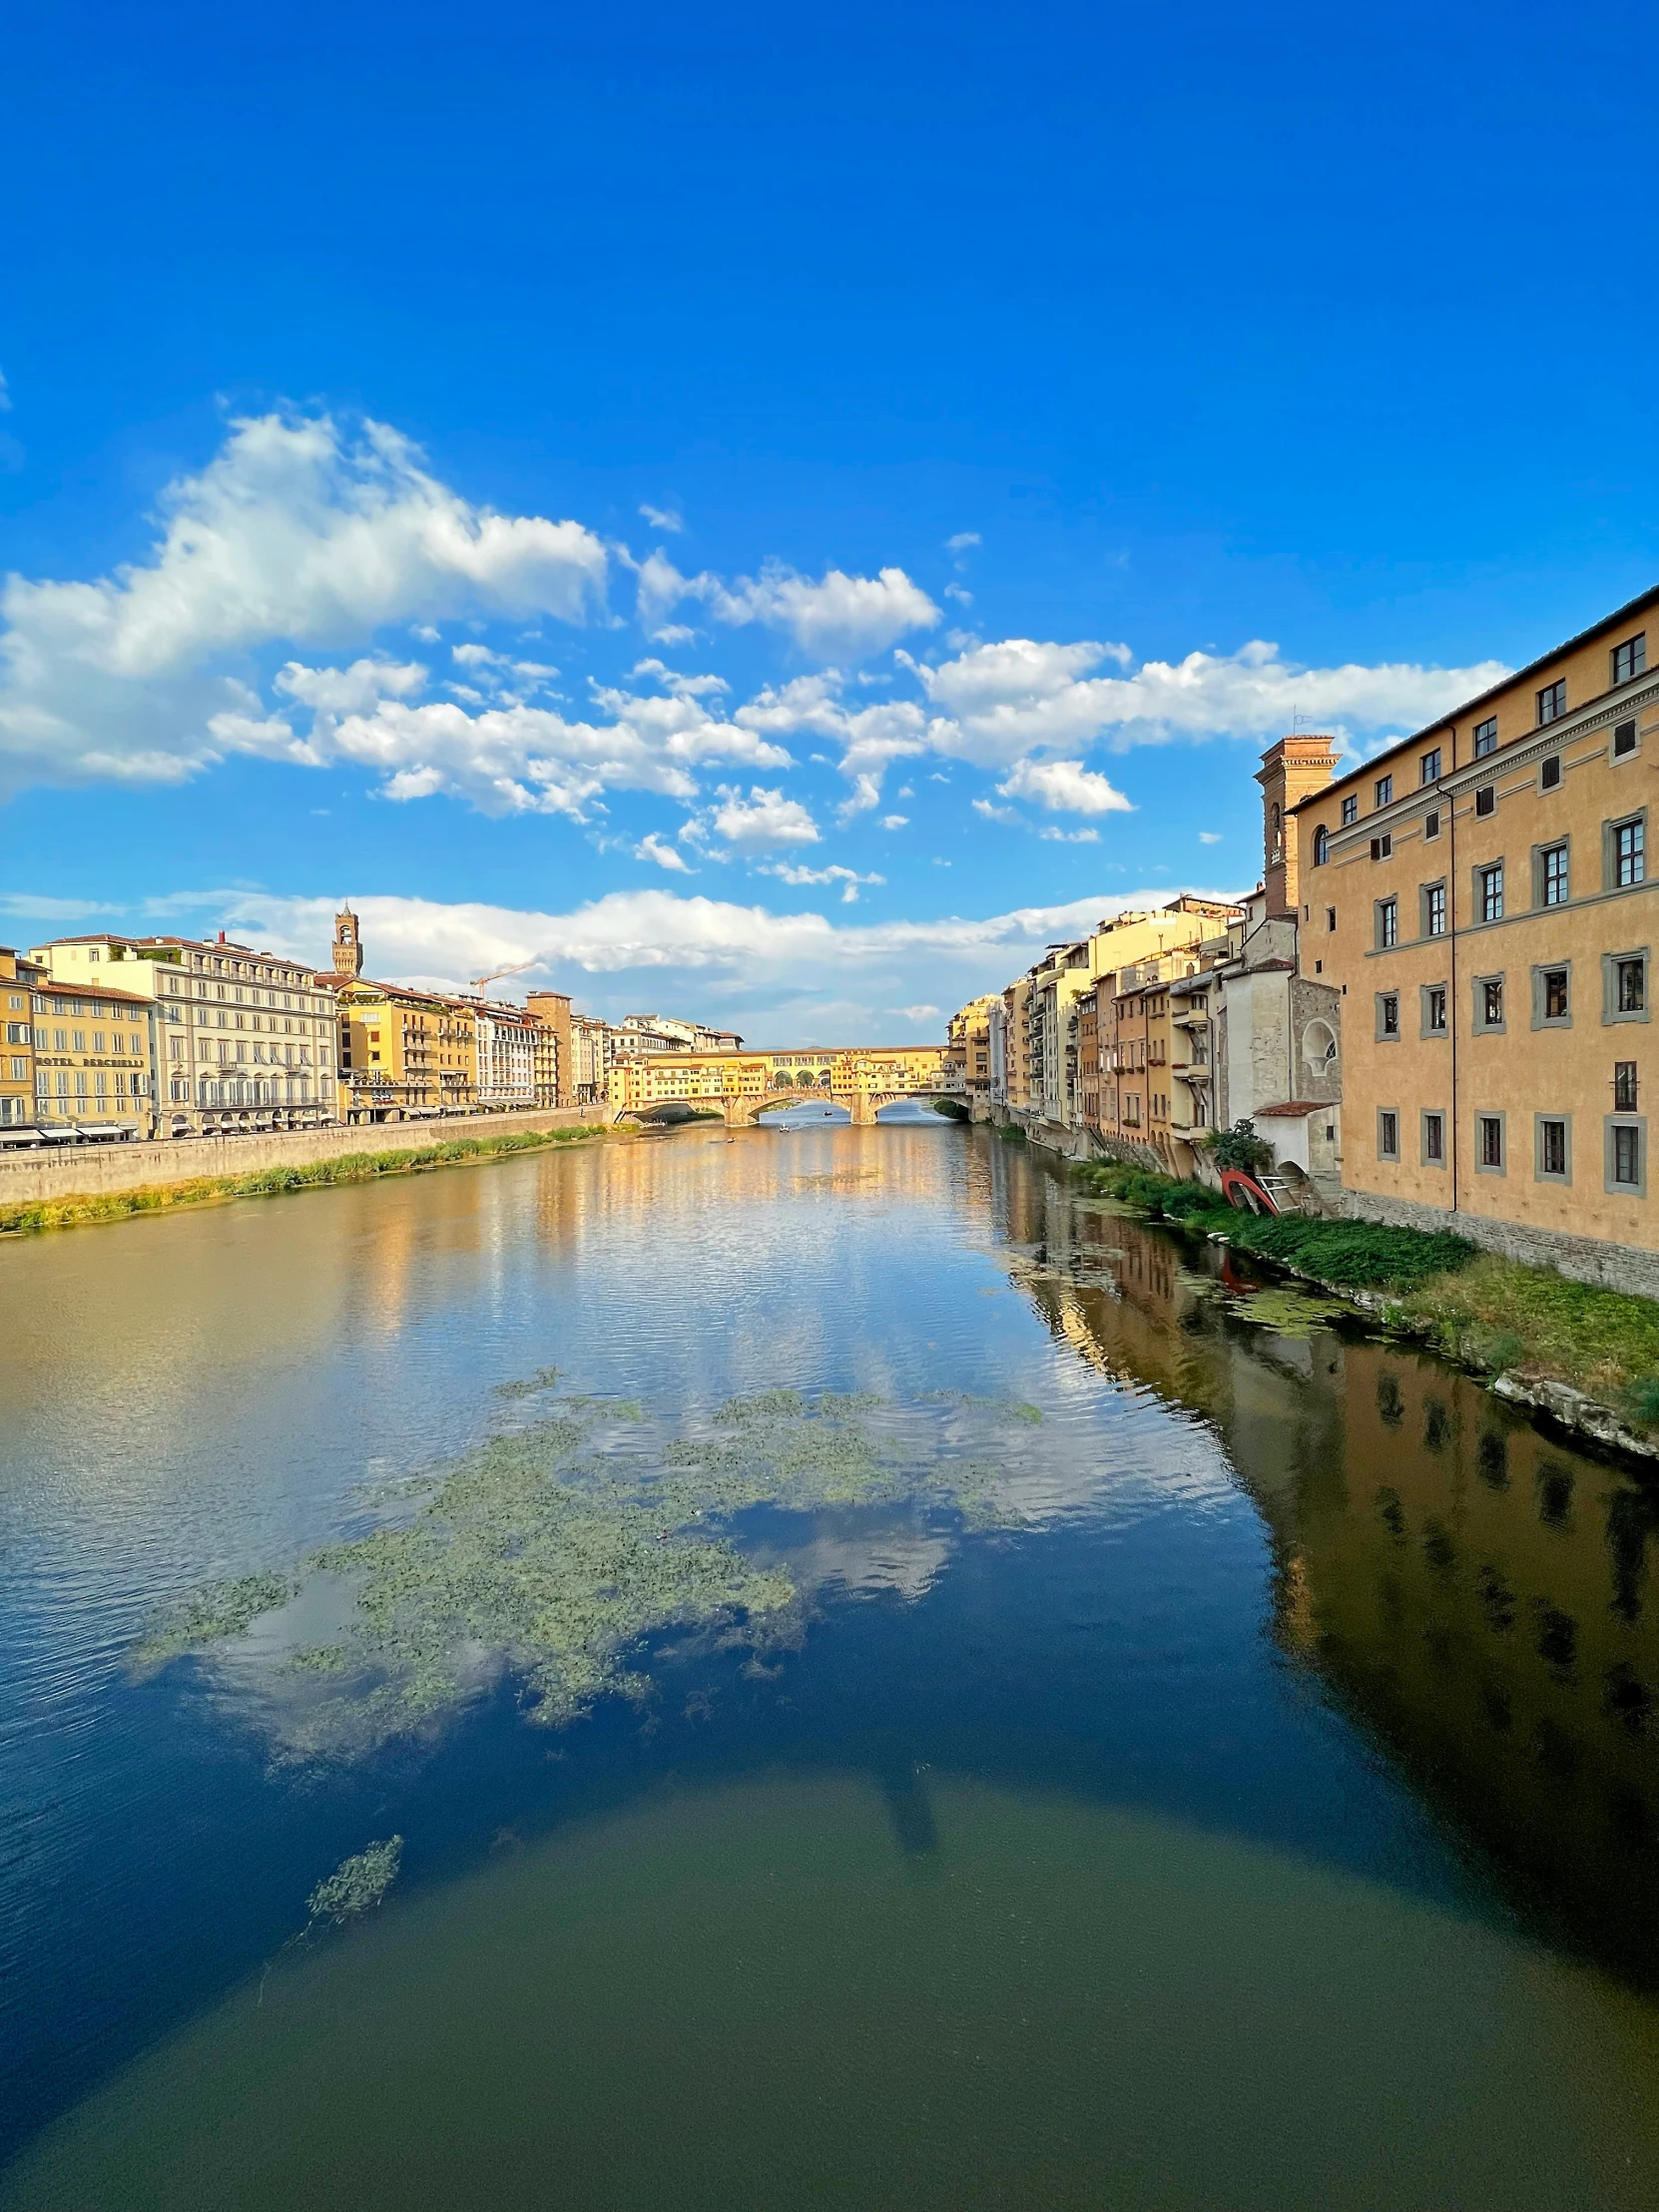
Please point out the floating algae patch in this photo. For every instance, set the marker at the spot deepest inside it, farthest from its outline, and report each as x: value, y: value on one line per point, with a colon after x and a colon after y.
x: 539, y: 1555
x: 1288, y: 1312
x: 357, y: 1884
x: 214, y: 1612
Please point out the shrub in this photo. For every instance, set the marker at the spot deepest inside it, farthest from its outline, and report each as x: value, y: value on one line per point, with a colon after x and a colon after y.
x: 1239, y: 1147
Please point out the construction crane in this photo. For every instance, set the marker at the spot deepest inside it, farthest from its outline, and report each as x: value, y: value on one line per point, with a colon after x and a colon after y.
x: 479, y: 982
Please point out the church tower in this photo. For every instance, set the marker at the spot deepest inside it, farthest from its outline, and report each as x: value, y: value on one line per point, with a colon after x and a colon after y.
x: 348, y: 944
x: 1290, y: 770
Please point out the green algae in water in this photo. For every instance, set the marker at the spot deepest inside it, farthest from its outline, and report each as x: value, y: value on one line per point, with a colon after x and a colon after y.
x: 214, y: 1612
x: 538, y: 1555
x: 1289, y: 1313
x: 357, y: 1884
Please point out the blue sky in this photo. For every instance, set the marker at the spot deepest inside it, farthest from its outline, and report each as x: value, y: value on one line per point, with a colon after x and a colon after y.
x: 777, y: 514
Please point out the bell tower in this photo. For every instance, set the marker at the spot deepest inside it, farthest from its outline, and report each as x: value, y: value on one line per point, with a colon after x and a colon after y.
x: 348, y: 944
x: 1290, y: 770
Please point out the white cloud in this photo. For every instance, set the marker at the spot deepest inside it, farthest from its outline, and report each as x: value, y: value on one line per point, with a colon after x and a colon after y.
x: 894, y: 822
x: 5, y: 395
x: 1005, y: 701
x: 914, y: 1013
x: 1209, y: 836
x: 1071, y: 837
x: 788, y: 872
x: 766, y: 818
x: 743, y: 964
x: 962, y: 597
x: 32, y: 906
x: 652, y: 848
x: 1064, y: 787
x: 961, y: 541
x: 297, y: 532
x: 661, y: 518
x: 830, y: 617
x: 994, y: 812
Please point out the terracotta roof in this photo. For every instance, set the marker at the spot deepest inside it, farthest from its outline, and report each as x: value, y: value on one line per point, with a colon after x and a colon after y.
x: 1298, y: 1109
x: 92, y: 990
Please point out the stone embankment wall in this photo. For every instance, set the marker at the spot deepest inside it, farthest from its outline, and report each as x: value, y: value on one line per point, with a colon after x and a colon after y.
x: 100, y: 1170
x: 1613, y: 1267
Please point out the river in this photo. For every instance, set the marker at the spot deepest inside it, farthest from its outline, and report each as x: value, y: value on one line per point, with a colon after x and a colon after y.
x: 833, y: 1672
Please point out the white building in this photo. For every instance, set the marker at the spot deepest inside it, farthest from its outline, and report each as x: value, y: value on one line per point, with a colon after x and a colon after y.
x: 242, y: 1039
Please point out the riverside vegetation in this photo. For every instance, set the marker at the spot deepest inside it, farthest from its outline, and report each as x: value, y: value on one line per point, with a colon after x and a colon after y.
x: 1492, y: 1314
x: 348, y: 1167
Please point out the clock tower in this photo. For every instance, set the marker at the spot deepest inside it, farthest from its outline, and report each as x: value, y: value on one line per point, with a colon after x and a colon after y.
x: 348, y: 944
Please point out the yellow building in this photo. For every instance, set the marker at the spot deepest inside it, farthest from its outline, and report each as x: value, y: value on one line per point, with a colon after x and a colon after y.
x: 967, y: 1052
x: 861, y: 1078
x: 1480, y: 897
x: 94, y: 1052
x: 17, y: 1050
x: 404, y: 1054
x: 550, y: 1011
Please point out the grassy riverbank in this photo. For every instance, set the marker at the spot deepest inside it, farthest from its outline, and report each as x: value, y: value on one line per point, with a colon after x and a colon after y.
x: 348, y: 1167
x: 1493, y: 1315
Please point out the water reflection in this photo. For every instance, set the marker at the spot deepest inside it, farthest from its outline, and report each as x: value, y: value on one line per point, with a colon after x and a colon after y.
x: 1476, y: 1593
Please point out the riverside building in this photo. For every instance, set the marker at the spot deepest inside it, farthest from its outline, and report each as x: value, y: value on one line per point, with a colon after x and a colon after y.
x: 17, y: 1050
x: 241, y: 1039
x: 1480, y: 897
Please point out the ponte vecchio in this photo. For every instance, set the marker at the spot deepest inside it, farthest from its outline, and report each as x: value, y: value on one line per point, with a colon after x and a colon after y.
x: 744, y: 1085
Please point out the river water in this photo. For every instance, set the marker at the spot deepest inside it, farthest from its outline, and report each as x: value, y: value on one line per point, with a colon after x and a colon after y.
x: 833, y: 1672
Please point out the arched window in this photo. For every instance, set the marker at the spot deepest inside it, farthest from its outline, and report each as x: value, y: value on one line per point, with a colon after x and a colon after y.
x: 1322, y: 846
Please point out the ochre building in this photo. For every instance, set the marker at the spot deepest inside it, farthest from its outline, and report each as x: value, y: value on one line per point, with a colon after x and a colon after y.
x: 1482, y: 898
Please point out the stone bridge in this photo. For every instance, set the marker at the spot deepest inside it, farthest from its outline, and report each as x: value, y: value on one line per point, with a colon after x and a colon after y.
x: 740, y: 1086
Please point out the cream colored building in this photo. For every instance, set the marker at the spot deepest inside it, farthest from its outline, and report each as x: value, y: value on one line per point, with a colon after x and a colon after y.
x: 94, y: 1052
x: 242, y: 1039
x: 1481, y: 898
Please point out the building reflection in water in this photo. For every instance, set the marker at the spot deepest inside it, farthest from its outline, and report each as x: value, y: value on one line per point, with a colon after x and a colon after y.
x: 1475, y: 1594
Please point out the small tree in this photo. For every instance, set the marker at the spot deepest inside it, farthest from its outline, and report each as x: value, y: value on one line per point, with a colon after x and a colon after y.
x: 1239, y: 1147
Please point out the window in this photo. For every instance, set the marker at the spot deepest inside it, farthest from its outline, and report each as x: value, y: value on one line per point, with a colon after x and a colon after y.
x: 1351, y: 809
x: 1552, y: 1153
x: 1624, y: 1086
x: 1433, y: 910
x: 1626, y: 851
x: 1385, y: 791
x: 1387, y: 923
x: 1549, y: 773
x: 1488, y: 1143
x: 1322, y: 846
x: 1387, y: 1017
x: 1434, y: 1140
x: 1489, y: 1003
x: 1330, y: 918
x: 1388, y: 1134
x: 1382, y: 849
x: 1552, y: 984
x: 1486, y: 799
x: 1552, y: 702
x: 1626, y: 1158
x: 1431, y: 823
x: 1630, y: 659
x: 1488, y: 892
x: 1550, y: 889
x: 1434, y: 1010
x: 1625, y: 740
x: 1624, y: 977
x: 1485, y: 738
x: 1428, y: 768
